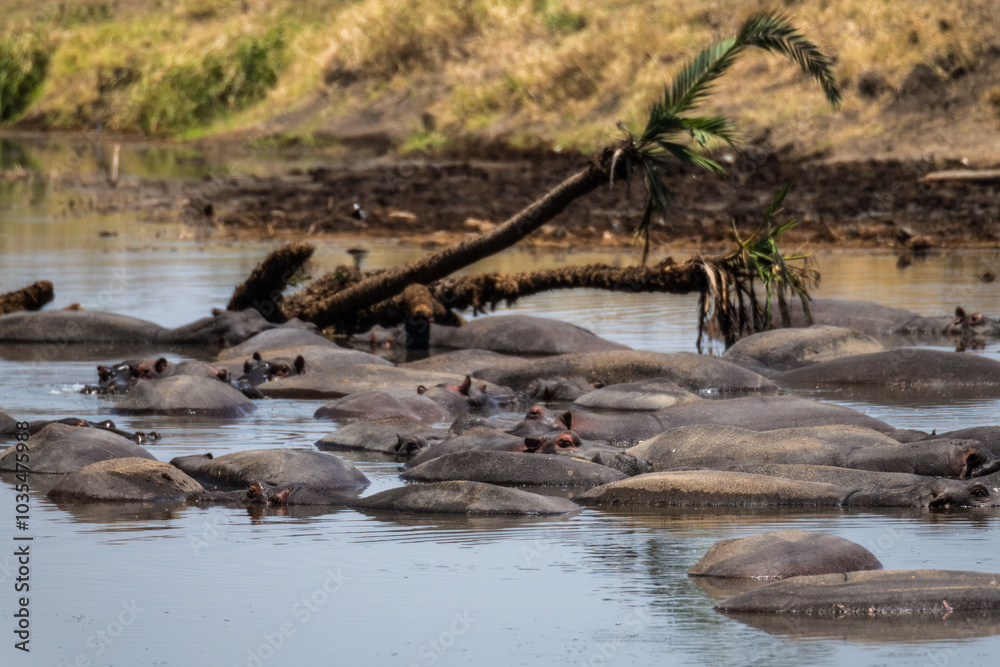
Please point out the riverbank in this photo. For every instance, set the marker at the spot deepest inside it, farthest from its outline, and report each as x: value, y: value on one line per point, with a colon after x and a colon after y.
x: 434, y: 199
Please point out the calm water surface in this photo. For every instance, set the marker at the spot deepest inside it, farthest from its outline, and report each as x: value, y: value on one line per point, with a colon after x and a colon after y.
x: 221, y: 586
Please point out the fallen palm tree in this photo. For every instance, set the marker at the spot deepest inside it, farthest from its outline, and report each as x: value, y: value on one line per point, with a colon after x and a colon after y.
x: 348, y: 300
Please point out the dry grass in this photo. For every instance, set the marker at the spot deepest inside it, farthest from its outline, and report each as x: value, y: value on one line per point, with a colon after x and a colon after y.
x: 546, y: 72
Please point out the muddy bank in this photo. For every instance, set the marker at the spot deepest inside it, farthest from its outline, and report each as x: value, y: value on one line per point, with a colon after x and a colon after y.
x: 433, y: 199
x: 852, y: 204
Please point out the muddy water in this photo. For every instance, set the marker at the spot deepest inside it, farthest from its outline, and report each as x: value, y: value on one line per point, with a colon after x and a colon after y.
x: 219, y: 586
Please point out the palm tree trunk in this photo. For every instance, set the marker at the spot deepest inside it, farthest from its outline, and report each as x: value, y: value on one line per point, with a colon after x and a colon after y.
x: 341, y: 306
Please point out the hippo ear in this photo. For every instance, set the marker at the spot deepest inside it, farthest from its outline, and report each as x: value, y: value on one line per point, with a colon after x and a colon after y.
x: 532, y: 444
x: 103, y: 373
x: 300, y: 364
x: 256, y: 356
x: 960, y: 312
x: 464, y: 387
x: 421, y: 389
x: 160, y: 365
x: 247, y: 366
x: 566, y: 419
x: 597, y: 385
x: 281, y: 497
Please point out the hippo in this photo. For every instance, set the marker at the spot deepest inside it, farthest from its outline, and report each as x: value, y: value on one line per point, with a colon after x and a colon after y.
x: 74, y: 327
x: 381, y: 404
x: 873, y: 593
x: 466, y: 395
x: 788, y: 553
x: 655, y: 394
x: 884, y: 321
x: 315, y: 358
x: 702, y: 488
x: 988, y: 436
x: 119, y: 378
x: 278, y: 338
x: 138, y: 437
x: 513, y: 468
x: 8, y: 425
x: 838, y: 476
x: 261, y: 493
x: 380, y: 435
x: 276, y: 467
x: 355, y: 378
x: 477, y: 439
x: 914, y: 370
x: 765, y: 413
x: 185, y: 394
x: 126, y: 479
x: 464, y: 497
x: 61, y: 448
x: 459, y: 362
x: 712, y: 446
x: 694, y: 372
x: 519, y: 334
x: 770, y: 352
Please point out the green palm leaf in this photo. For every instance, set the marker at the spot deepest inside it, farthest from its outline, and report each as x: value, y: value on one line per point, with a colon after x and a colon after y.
x: 693, y: 84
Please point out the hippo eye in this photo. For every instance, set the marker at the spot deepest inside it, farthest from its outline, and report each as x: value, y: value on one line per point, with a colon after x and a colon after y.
x: 979, y: 491
x: 533, y: 414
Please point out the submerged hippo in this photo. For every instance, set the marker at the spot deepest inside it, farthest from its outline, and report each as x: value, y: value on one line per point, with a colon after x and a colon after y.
x: 276, y: 467
x: 519, y: 334
x: 381, y: 435
x: 127, y: 479
x: 694, y: 372
x: 910, y: 369
x: 74, y: 327
x: 872, y: 593
x: 464, y: 497
x: 61, y: 448
x: 878, y: 320
x: 788, y: 553
x: 513, y: 468
x: 770, y: 352
x: 724, y: 446
x: 185, y: 394
x: 466, y: 395
x: 382, y: 404
x: 716, y: 487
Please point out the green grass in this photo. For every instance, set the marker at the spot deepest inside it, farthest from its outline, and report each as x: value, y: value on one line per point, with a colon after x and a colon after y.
x: 24, y: 59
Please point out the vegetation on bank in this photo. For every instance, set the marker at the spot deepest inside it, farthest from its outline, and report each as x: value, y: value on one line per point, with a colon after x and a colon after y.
x: 546, y: 72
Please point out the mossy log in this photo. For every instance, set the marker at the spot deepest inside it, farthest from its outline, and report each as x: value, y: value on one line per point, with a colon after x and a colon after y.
x: 32, y: 297
x: 263, y: 289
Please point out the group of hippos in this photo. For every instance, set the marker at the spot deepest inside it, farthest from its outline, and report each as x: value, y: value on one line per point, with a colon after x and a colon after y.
x: 605, y: 426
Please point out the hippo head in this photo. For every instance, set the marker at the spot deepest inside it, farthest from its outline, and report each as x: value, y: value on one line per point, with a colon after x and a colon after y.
x: 945, y: 493
x: 969, y: 328
x: 410, y: 445
x: 257, y: 371
x: 565, y: 442
x: 263, y: 494
x: 466, y: 394
x: 974, y: 460
x: 537, y: 421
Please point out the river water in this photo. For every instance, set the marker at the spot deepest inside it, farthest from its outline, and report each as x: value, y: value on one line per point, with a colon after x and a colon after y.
x: 223, y: 586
